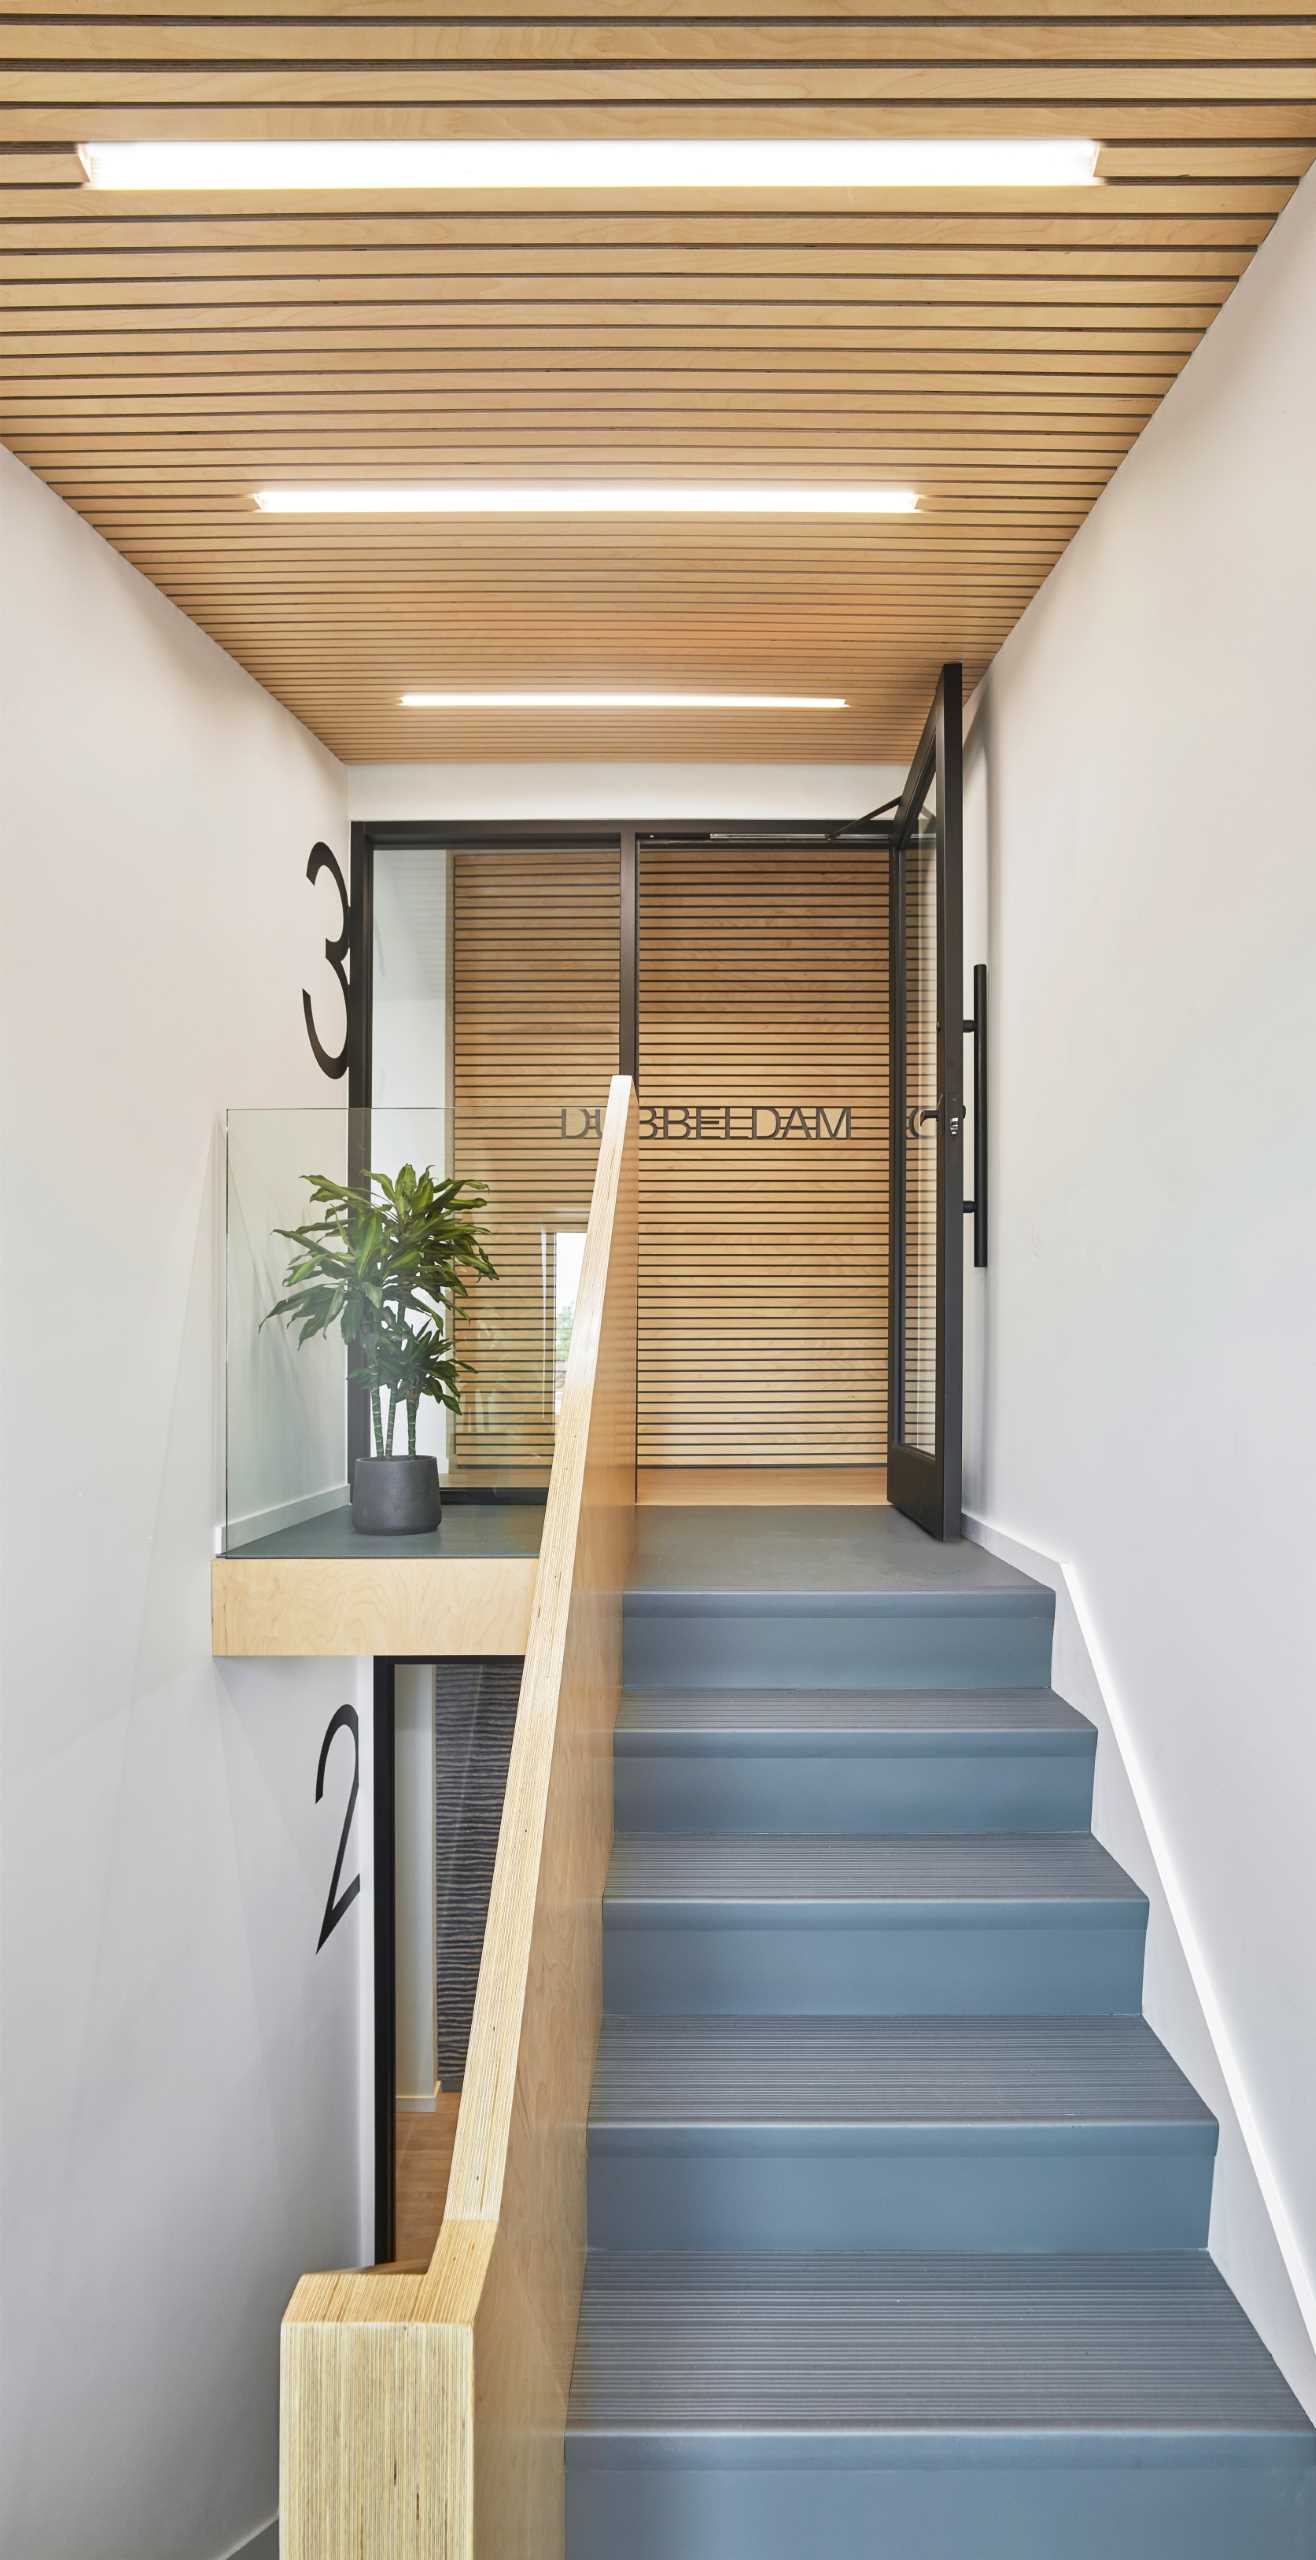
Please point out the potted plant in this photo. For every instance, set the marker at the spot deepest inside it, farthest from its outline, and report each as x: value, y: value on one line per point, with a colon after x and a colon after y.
x: 385, y: 1261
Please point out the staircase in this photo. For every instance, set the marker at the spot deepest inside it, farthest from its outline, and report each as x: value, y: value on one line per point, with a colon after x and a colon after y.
x: 897, y: 2208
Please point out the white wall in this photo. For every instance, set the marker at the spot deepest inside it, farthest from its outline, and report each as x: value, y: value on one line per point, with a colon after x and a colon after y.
x: 1142, y: 790
x: 411, y: 1027
x: 181, y: 2087
x: 604, y: 792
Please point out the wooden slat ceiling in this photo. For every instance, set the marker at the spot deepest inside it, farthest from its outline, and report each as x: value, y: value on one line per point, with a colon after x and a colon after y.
x: 164, y: 356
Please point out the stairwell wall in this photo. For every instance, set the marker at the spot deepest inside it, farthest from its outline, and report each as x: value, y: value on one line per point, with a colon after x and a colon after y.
x: 181, y: 2070
x: 1141, y: 780
x: 526, y: 794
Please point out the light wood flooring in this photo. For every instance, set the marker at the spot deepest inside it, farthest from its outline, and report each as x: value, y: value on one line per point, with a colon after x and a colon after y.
x: 424, y: 2157
x: 700, y: 1486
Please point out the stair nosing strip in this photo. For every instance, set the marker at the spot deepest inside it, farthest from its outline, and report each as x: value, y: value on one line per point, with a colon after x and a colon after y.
x: 897, y: 1742
x: 669, y: 1602
x: 982, y: 1906
x: 1261, y: 2432
x: 699, y: 2127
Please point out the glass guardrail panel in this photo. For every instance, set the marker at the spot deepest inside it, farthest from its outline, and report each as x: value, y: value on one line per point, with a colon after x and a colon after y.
x: 285, y: 1404
x: 470, y: 1379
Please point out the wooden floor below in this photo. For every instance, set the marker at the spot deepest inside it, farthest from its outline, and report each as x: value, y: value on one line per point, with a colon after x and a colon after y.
x: 700, y: 1486
x: 424, y: 2157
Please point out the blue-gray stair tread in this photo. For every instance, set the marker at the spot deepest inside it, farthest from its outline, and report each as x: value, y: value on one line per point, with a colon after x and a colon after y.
x: 687, y: 1873
x: 841, y: 1719
x: 752, y: 1551
x: 1138, y: 2342
x: 675, y: 2073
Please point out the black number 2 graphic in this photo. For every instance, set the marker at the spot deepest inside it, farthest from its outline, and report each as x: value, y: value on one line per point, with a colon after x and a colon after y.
x: 337, y: 1903
x: 335, y: 952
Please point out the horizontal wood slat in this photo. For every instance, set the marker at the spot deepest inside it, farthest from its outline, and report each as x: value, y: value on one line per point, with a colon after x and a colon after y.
x: 538, y: 12
x: 723, y: 38
x: 163, y: 356
x: 763, y: 1257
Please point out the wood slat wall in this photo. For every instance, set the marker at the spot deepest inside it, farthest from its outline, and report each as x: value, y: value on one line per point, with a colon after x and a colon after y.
x: 763, y: 1261
x: 535, y: 937
x: 161, y: 357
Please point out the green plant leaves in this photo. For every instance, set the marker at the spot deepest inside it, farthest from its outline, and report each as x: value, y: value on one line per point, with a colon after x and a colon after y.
x: 385, y: 1262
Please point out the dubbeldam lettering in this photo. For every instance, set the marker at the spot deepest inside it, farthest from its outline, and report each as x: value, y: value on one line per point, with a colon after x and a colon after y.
x: 687, y: 1121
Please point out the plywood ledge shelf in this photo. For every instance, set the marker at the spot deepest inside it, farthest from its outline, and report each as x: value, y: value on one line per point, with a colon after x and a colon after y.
x: 334, y: 1605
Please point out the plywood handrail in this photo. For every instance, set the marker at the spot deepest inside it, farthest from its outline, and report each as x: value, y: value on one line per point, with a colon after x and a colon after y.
x: 422, y: 2417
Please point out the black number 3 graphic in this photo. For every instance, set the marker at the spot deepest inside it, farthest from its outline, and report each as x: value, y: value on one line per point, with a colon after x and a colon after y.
x: 335, y: 952
x: 337, y: 1903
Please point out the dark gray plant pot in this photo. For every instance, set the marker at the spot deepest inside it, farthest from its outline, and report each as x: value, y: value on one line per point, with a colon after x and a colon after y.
x: 395, y: 1497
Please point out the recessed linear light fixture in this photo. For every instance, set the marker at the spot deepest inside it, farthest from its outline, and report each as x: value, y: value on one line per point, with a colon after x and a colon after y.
x: 586, y: 498
x: 269, y: 167
x: 624, y: 702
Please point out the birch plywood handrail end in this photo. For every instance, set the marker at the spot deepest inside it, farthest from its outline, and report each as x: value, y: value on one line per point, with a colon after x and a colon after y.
x: 422, y: 2417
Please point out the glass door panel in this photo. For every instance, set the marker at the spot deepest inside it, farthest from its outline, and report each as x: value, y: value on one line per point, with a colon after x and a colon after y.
x: 918, y: 890
x: 923, y: 1459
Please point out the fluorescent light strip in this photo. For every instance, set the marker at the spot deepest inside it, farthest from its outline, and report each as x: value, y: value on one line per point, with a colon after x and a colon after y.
x: 270, y: 167
x: 624, y: 702
x: 586, y: 498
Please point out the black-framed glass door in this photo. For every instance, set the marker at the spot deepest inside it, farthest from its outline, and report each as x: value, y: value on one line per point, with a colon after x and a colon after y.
x: 927, y: 1125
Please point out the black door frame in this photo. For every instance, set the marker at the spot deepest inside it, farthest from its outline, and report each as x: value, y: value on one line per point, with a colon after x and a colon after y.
x: 930, y: 1492
x: 383, y: 1840
x: 383, y: 1833
x: 626, y: 836
x: 928, y: 1488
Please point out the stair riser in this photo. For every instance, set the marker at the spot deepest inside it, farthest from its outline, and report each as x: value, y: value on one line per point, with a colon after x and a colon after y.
x: 842, y: 1792
x: 1027, y: 2501
x: 851, y: 2190
x: 709, y: 1645
x: 819, y: 1963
